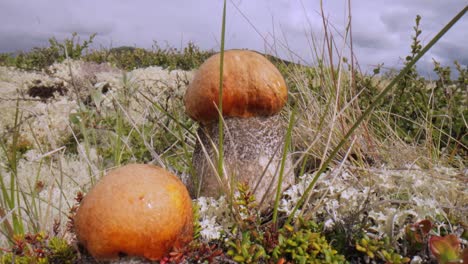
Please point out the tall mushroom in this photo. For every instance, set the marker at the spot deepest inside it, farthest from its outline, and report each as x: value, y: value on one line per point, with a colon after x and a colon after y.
x: 254, y: 92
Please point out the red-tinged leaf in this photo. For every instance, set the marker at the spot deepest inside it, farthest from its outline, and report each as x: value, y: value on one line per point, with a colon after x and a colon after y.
x: 465, y: 255
x: 281, y: 261
x: 417, y: 233
x: 445, y: 249
x: 425, y: 226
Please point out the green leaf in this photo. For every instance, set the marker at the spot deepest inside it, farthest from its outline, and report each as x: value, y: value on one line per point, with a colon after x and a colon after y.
x: 239, y: 258
x: 446, y: 248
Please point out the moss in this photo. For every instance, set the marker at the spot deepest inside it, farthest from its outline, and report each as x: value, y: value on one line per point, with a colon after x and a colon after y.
x: 39, y: 249
x: 61, y: 252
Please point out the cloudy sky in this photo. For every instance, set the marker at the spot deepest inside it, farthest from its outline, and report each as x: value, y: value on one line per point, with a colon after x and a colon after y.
x: 381, y: 29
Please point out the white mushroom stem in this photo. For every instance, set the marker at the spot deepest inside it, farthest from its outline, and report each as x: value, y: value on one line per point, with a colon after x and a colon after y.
x: 253, y: 149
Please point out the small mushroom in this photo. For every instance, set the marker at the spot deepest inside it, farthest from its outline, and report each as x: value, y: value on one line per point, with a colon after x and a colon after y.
x: 136, y: 210
x: 254, y: 92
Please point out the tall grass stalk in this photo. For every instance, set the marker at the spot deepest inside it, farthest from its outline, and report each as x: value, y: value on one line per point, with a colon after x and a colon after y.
x: 287, y: 142
x: 220, y: 97
x: 371, y: 108
x: 117, y: 153
x: 11, y: 194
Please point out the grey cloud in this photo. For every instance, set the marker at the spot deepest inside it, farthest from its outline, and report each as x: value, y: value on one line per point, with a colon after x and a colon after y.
x: 381, y: 29
x: 399, y: 15
x: 12, y: 42
x: 371, y: 40
x: 398, y: 20
x: 86, y: 29
x: 449, y: 52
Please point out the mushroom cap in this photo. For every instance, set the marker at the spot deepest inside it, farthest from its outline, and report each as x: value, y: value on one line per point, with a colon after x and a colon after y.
x: 252, y: 86
x: 139, y: 210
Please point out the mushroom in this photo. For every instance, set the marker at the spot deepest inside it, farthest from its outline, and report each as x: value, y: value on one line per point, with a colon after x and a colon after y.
x: 254, y: 92
x: 137, y: 210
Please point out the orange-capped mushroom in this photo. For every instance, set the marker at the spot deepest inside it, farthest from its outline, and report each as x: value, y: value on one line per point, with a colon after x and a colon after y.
x: 254, y: 92
x: 138, y: 210
x: 252, y: 86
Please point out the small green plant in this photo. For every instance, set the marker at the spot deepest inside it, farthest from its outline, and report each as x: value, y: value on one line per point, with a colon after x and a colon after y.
x: 247, y: 249
x: 410, y: 87
x: 448, y: 114
x: 39, y: 248
x: 40, y: 58
x: 7, y: 59
x: 305, y: 246
x: 71, y: 47
x: 380, y: 249
x: 36, y: 59
x: 254, y: 242
x: 247, y: 244
x: 447, y: 249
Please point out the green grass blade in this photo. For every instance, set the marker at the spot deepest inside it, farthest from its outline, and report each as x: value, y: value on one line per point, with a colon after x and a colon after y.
x: 283, y: 161
x: 119, y: 129
x: 220, y: 99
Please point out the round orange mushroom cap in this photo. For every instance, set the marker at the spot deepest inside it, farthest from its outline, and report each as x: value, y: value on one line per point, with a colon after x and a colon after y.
x: 139, y: 210
x: 252, y: 86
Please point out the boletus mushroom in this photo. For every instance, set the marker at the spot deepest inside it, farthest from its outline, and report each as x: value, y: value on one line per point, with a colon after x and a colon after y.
x: 136, y: 210
x: 254, y: 92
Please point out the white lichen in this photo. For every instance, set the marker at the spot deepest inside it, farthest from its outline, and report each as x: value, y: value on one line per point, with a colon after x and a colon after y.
x: 214, y: 218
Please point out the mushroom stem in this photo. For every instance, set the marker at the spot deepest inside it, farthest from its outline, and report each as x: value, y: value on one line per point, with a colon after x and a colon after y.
x: 252, y: 155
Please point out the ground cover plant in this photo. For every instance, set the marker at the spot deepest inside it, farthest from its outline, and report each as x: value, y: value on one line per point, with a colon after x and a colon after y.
x: 394, y: 192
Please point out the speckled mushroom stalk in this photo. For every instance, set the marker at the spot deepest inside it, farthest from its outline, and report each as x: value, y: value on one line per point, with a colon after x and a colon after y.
x: 254, y: 92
